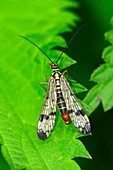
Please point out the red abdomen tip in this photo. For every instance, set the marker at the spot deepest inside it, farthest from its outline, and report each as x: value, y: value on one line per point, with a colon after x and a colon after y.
x: 65, y: 117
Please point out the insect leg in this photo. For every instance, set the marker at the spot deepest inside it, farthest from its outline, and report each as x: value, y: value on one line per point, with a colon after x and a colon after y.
x: 65, y: 72
x: 43, y: 83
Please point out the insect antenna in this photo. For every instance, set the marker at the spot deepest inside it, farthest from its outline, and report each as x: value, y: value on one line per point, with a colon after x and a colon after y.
x: 69, y: 42
x: 36, y: 46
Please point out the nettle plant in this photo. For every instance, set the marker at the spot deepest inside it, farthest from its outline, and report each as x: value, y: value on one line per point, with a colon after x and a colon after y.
x: 22, y: 66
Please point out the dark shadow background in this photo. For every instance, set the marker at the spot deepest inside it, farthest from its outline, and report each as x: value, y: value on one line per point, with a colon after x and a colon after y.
x: 87, y: 47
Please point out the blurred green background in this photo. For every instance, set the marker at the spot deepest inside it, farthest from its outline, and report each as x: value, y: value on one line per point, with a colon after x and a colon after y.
x: 89, y: 43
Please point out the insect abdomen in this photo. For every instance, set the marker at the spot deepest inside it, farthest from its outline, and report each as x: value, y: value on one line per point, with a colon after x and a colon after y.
x: 60, y: 100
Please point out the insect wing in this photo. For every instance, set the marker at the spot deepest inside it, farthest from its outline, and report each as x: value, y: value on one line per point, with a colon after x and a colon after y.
x: 76, y: 113
x: 48, y: 114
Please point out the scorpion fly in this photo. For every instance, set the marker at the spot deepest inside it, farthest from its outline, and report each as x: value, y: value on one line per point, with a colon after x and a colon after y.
x: 59, y: 93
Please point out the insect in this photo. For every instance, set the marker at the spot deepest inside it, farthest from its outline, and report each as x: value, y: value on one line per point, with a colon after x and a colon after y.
x: 59, y: 93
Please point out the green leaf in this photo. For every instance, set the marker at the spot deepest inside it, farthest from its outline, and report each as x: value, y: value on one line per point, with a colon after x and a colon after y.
x: 23, y: 150
x: 103, y: 76
x: 77, y: 88
x: 22, y: 66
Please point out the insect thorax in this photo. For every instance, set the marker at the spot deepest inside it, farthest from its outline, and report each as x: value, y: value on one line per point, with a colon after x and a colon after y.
x: 55, y: 71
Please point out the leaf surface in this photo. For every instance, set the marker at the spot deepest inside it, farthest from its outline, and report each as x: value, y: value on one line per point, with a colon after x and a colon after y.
x: 103, y: 77
x: 22, y: 66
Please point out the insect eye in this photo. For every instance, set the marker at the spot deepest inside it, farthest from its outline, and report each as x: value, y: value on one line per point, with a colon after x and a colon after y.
x: 54, y: 66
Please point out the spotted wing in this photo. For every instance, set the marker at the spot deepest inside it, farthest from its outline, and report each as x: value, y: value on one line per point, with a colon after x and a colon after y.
x: 48, y: 114
x: 76, y: 113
